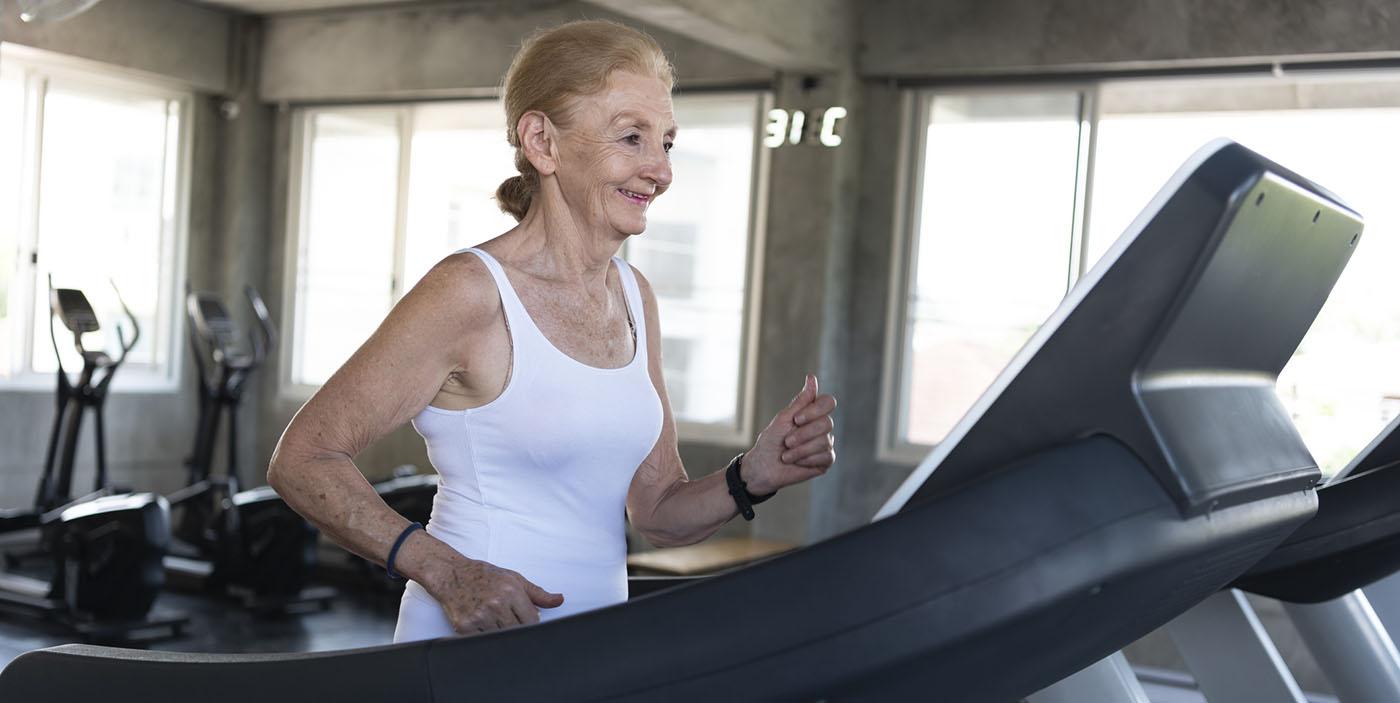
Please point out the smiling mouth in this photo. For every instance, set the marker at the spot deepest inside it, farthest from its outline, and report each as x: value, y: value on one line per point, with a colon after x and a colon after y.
x: 637, y: 198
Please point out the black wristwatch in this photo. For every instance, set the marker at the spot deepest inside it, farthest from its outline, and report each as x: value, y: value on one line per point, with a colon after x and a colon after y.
x: 740, y: 490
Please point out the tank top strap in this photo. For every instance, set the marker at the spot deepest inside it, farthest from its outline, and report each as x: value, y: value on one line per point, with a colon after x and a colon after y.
x: 517, y: 317
x: 635, y: 307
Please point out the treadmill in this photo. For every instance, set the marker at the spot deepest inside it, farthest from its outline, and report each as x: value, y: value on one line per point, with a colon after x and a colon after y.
x: 1131, y: 460
x: 1353, y: 542
x: 1319, y: 571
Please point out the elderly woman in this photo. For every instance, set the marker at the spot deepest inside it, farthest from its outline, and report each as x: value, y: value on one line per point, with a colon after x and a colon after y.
x: 531, y: 366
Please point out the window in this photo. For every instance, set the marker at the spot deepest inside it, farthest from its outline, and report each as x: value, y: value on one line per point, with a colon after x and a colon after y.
x: 92, y: 193
x: 697, y: 252
x: 384, y: 194
x: 381, y: 194
x: 1343, y: 384
x: 991, y: 251
x: 991, y: 248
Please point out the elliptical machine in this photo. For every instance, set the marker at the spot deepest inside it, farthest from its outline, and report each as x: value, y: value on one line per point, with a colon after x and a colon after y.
x: 105, y: 548
x: 247, y: 543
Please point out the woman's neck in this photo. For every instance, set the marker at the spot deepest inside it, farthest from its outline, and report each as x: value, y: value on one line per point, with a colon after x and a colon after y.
x: 554, y: 243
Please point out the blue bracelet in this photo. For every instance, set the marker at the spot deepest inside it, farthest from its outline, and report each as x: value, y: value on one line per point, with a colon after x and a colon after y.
x: 394, y: 552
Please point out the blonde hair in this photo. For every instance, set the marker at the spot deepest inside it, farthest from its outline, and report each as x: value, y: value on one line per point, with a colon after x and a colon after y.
x: 556, y: 66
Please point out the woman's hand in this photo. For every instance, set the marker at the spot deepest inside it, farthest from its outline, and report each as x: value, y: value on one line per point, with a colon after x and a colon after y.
x: 796, y: 446
x: 481, y: 597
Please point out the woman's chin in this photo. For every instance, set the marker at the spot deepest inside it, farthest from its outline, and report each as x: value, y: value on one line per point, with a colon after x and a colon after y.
x: 632, y: 229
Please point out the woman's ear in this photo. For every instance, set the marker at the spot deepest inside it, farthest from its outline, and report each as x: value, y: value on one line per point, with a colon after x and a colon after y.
x: 539, y: 140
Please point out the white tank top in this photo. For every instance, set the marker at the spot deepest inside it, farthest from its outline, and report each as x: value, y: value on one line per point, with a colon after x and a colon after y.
x: 536, y: 480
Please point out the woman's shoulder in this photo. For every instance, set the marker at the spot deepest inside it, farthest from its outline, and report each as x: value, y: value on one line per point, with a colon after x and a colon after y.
x: 459, y: 287
x: 647, y: 294
x: 643, y: 285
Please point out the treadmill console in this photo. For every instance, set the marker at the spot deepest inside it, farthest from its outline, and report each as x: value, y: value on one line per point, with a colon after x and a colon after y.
x: 1172, y: 343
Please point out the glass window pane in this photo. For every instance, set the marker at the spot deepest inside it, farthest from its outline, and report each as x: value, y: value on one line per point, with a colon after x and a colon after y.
x: 992, y: 246
x: 12, y: 107
x: 345, y: 266
x: 695, y: 253
x: 1343, y: 384
x: 459, y: 158
x: 103, y: 213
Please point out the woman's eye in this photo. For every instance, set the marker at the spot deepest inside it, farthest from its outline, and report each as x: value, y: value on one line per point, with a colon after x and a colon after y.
x: 668, y: 146
x: 633, y: 139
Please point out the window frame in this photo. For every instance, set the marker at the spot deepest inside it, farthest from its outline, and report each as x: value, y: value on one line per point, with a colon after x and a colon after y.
x: 890, y: 445
x: 38, y: 68
x: 299, y: 172
x: 740, y: 434
x: 299, y: 164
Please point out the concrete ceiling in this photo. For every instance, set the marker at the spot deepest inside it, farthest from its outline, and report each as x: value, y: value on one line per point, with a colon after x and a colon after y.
x: 270, y: 7
x: 792, y: 35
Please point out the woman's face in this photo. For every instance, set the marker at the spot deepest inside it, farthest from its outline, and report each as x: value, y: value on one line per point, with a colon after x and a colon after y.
x: 613, y: 159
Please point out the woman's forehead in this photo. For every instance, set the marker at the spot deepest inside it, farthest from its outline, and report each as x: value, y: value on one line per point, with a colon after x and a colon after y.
x: 630, y: 98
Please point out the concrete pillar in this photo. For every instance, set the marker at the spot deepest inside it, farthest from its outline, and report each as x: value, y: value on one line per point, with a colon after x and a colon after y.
x: 239, y: 253
x: 806, y: 284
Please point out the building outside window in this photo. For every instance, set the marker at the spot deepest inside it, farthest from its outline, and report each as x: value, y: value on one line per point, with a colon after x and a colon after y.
x: 381, y: 194
x: 93, y: 183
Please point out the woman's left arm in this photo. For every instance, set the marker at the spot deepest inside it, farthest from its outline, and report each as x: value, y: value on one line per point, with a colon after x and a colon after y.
x: 670, y: 510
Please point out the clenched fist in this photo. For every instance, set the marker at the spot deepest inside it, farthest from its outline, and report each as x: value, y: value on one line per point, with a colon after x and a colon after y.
x: 796, y: 446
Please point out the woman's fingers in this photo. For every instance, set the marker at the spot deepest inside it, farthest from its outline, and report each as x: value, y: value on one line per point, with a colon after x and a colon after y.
x: 804, y: 451
x: 502, y: 600
x: 808, y: 432
x: 820, y: 460
x: 800, y: 401
x: 526, y: 612
x: 823, y: 405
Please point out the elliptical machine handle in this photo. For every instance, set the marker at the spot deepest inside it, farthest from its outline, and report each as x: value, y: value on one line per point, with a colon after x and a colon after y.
x: 194, y: 329
x: 267, y: 341
x: 54, y: 338
x: 121, y: 338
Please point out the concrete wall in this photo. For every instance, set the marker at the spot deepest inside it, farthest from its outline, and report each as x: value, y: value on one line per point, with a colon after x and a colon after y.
x: 912, y: 38
x: 179, y: 40
x: 240, y: 255
x: 440, y: 50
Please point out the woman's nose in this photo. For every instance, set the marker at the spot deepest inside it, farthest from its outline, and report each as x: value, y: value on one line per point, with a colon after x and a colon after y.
x: 658, y: 167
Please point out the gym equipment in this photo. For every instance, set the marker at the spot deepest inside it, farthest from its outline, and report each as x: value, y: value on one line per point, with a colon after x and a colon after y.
x: 90, y: 393
x: 105, y: 549
x: 1130, y: 461
x: 1317, y: 572
x: 247, y: 543
x: 1353, y: 542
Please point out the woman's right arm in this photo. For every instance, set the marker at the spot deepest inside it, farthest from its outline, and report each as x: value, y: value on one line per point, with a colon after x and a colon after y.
x: 390, y: 379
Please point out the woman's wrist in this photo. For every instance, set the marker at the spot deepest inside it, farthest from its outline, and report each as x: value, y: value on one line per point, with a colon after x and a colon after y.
x: 755, y: 486
x: 428, y: 560
x: 743, y: 494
